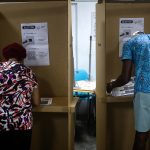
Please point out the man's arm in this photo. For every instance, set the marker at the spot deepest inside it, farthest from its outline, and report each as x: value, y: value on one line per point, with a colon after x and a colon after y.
x: 123, y: 78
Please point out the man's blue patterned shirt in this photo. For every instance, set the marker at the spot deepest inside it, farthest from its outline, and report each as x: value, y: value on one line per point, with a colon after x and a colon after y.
x: 137, y: 49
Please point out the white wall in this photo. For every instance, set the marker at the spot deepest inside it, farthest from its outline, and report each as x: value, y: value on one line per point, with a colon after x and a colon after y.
x: 83, y: 20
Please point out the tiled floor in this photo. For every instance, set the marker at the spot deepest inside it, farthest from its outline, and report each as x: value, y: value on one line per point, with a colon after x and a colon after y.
x: 85, y: 126
x: 85, y: 138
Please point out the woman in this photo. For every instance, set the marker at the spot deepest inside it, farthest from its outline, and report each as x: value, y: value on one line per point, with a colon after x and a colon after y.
x: 18, y: 92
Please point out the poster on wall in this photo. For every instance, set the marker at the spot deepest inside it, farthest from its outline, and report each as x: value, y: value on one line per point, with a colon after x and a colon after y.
x: 35, y: 40
x: 128, y: 26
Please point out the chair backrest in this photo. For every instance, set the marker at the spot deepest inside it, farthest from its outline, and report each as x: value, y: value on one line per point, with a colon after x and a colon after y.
x: 81, y: 75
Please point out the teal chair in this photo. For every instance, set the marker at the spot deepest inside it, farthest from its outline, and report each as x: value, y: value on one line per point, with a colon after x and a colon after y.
x: 78, y: 76
x: 81, y: 75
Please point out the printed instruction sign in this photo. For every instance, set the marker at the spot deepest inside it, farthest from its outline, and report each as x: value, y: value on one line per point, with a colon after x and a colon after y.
x: 35, y: 40
x: 128, y: 26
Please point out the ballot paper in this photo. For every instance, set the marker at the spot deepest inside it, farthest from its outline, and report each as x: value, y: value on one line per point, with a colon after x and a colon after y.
x: 46, y: 101
x: 126, y: 90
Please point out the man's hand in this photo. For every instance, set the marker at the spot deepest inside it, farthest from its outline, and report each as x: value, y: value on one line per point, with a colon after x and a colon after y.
x: 109, y: 87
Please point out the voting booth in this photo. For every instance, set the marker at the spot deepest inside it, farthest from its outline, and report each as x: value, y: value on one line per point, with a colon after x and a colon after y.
x: 53, y: 124
x: 115, y: 120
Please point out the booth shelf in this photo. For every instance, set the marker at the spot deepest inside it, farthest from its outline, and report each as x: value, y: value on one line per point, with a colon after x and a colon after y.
x: 117, y: 99
x: 59, y: 104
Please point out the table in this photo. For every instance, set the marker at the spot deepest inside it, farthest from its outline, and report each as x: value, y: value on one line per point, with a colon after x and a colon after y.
x: 86, y: 94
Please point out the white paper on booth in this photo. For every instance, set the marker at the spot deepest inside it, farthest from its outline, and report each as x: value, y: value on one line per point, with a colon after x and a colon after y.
x: 128, y: 26
x: 35, y: 40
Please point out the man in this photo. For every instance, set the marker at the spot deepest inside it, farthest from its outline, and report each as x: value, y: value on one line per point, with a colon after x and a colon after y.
x: 136, y: 52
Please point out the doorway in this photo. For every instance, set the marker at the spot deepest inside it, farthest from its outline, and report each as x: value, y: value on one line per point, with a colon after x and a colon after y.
x: 84, y: 53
